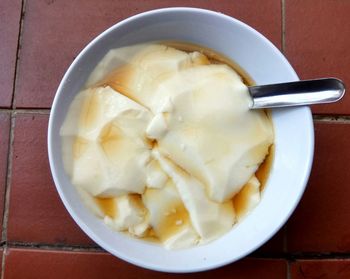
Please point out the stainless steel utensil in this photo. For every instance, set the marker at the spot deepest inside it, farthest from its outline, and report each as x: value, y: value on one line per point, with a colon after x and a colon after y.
x: 298, y: 93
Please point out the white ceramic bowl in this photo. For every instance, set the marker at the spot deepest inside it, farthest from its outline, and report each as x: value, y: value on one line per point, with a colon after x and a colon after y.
x: 294, y: 138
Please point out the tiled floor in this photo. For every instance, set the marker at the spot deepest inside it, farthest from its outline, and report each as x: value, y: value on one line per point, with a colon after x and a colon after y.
x: 325, y: 204
x: 337, y: 269
x: 24, y: 263
x: 36, y: 215
x: 38, y: 41
x: 10, y: 15
x: 317, y: 41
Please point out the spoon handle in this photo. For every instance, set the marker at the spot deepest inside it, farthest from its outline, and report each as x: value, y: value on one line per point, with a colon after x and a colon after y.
x: 298, y: 93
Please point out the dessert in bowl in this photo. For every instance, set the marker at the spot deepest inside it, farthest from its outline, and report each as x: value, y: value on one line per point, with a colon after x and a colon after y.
x: 288, y: 172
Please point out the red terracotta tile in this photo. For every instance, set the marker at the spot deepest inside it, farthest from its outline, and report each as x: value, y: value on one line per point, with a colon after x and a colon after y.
x: 10, y: 13
x: 321, y: 221
x: 55, y: 31
x: 317, y: 43
x: 25, y: 263
x: 325, y: 269
x: 4, y: 144
x: 36, y: 213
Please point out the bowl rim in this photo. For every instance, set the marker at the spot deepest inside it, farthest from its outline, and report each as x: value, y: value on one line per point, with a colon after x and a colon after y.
x: 54, y: 171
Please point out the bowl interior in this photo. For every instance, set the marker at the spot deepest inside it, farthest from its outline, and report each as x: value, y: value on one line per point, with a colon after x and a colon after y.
x: 293, y: 158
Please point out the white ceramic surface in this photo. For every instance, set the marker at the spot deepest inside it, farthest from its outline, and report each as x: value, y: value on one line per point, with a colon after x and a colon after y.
x: 293, y: 132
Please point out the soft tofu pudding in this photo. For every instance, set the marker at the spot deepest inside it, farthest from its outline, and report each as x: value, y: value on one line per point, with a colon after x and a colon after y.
x: 161, y: 144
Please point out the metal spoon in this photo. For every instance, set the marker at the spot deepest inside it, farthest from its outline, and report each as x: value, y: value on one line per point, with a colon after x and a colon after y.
x: 298, y: 93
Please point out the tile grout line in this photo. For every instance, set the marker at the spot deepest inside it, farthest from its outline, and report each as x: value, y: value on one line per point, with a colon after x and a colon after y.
x: 283, y: 19
x: 7, y: 191
x: 26, y: 245
x: 332, y: 118
x: 289, y: 275
x: 29, y: 110
x: 8, y: 179
x: 4, y: 252
x: 19, y: 41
